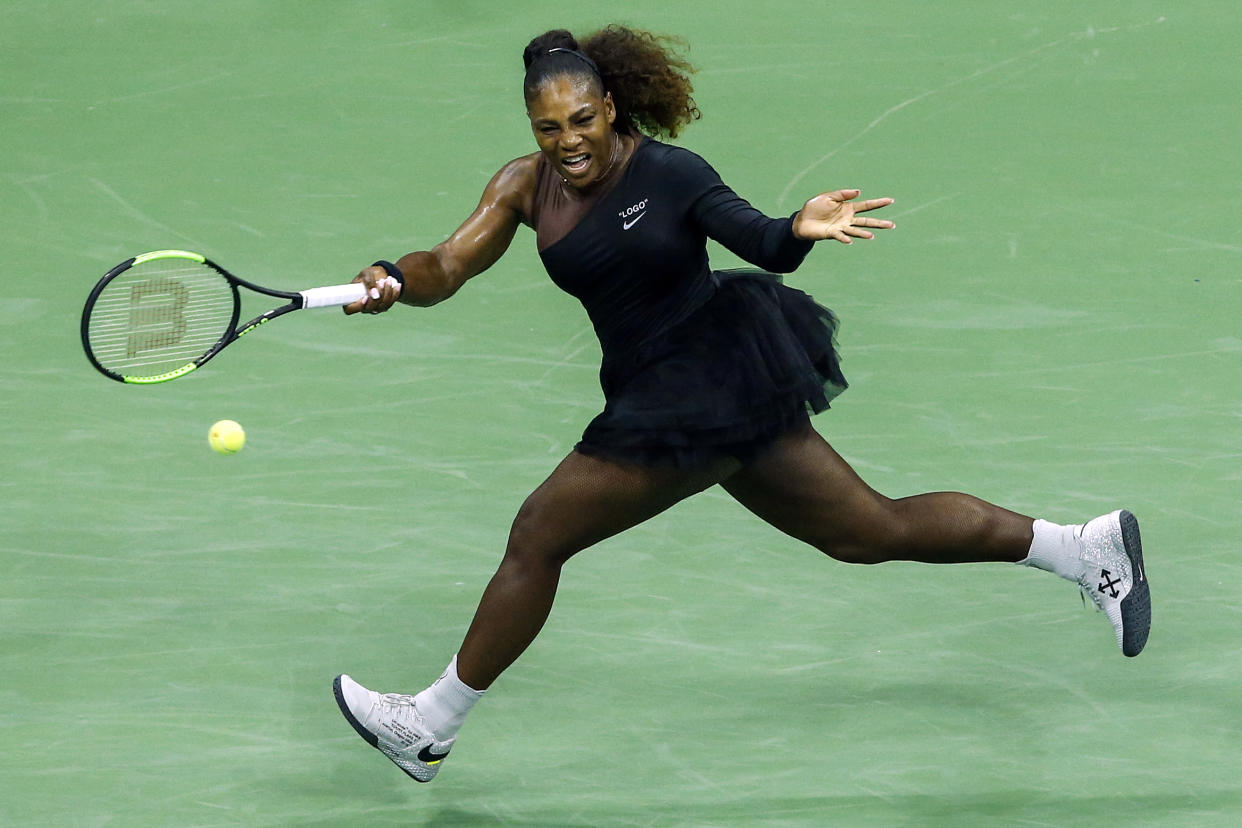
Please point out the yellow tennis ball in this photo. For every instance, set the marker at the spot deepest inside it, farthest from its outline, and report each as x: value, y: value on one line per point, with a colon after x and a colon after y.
x: 226, y: 437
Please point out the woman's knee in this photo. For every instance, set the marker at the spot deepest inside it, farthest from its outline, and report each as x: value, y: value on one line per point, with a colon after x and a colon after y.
x: 877, y: 534
x: 534, y: 539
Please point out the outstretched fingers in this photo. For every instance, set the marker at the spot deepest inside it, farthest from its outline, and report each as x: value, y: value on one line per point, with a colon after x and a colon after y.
x: 858, y: 228
x: 857, y: 223
x: 871, y: 204
x: 835, y: 215
x: 877, y: 224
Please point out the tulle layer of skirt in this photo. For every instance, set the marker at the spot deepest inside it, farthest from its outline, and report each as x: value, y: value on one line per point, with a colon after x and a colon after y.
x: 749, y: 365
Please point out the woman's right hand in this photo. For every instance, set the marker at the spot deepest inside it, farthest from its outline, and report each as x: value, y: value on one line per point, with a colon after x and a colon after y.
x: 382, y: 291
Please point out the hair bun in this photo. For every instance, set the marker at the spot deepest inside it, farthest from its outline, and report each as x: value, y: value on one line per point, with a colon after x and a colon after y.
x: 555, y: 39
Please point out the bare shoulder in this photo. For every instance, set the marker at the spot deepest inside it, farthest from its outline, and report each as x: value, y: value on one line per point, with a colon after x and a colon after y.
x: 520, y: 169
x: 514, y: 185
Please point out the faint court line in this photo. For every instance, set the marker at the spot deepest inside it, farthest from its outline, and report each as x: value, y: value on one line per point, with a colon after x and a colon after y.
x: 1089, y: 33
x: 807, y: 170
x: 1062, y: 368
x: 1142, y: 228
x: 136, y: 213
x: 40, y: 203
x: 175, y: 88
x: 923, y: 206
x: 569, y: 357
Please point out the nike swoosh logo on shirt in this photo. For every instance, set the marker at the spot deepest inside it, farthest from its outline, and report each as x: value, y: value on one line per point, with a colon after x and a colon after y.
x: 627, y: 225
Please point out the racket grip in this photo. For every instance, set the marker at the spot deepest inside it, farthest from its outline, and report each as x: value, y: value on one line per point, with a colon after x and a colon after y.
x: 334, y: 295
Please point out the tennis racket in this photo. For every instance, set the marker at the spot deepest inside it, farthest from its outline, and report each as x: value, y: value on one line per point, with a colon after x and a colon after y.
x: 162, y: 315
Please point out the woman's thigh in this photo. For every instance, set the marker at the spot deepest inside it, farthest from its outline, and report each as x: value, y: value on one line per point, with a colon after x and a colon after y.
x: 588, y: 498
x: 803, y: 487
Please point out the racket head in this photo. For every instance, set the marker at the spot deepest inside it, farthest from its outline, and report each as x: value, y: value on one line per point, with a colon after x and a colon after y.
x: 158, y: 316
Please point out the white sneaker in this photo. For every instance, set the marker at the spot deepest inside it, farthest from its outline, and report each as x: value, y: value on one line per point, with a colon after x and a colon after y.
x: 1114, y: 579
x: 393, y: 727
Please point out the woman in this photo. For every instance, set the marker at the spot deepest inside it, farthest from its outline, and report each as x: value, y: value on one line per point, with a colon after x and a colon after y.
x: 708, y: 377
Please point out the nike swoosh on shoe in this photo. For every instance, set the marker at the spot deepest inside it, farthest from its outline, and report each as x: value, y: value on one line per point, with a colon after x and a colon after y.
x: 425, y: 755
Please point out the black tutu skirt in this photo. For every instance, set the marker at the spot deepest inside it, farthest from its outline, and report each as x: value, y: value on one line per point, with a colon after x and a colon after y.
x: 747, y: 366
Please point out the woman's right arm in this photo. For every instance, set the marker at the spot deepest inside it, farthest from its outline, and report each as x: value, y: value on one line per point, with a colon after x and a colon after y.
x: 434, y: 275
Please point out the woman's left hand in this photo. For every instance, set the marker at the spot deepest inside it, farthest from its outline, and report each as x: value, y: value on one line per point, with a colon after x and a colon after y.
x: 835, y: 216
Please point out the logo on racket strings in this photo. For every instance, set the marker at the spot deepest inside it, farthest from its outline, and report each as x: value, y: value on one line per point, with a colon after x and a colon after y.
x: 156, y: 315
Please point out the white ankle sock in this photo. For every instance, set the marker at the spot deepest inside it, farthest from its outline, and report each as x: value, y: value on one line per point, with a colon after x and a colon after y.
x: 1056, y: 548
x: 443, y: 706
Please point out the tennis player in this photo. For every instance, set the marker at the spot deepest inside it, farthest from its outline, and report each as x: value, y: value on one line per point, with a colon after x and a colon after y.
x: 709, y: 377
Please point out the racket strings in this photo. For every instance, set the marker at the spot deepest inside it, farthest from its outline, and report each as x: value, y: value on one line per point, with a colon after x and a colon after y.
x: 160, y: 315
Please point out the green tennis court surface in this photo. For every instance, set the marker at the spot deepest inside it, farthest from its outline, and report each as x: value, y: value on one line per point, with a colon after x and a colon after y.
x: 1053, y: 326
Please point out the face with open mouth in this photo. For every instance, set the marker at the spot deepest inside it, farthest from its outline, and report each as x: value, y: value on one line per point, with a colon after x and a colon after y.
x: 572, y: 124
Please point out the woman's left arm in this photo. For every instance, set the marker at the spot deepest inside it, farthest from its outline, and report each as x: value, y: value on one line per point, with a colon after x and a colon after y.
x: 747, y: 232
x: 775, y: 244
x: 780, y: 244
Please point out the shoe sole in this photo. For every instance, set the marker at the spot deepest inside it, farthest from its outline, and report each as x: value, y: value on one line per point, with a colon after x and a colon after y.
x: 1135, y: 607
x: 371, y: 738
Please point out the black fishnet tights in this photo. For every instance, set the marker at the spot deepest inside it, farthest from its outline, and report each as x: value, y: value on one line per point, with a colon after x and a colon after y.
x: 800, y: 485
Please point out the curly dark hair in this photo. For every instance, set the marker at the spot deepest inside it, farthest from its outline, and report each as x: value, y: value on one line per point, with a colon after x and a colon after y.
x: 649, y: 81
